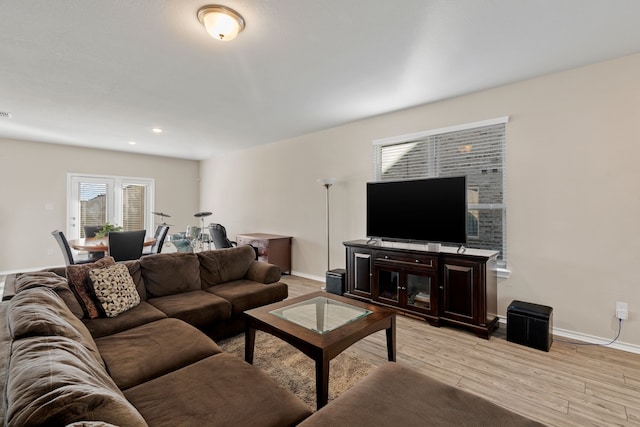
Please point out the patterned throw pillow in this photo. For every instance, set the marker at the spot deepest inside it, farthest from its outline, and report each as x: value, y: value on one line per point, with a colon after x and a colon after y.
x: 78, y: 277
x: 114, y: 288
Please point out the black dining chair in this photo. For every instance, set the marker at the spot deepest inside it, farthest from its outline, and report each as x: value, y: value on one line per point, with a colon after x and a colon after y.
x: 67, y: 253
x: 91, y: 230
x: 126, y: 245
x: 219, y: 237
x: 161, y: 234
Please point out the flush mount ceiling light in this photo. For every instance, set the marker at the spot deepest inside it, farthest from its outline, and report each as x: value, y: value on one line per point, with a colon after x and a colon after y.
x: 221, y: 22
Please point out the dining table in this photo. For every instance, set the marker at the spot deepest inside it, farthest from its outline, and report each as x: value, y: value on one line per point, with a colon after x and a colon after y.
x: 99, y: 244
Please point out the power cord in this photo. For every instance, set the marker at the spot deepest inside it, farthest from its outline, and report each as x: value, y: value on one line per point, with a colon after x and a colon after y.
x: 589, y: 343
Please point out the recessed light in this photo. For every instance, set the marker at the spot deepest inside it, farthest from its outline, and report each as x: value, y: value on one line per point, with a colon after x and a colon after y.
x: 157, y: 130
x: 132, y: 143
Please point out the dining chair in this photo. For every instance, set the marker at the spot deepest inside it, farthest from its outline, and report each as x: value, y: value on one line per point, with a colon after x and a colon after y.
x: 220, y: 239
x: 161, y: 234
x: 91, y: 230
x: 126, y: 245
x: 67, y: 253
x: 219, y: 236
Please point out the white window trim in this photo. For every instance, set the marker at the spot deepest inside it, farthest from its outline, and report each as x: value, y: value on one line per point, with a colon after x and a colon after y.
x: 502, y: 271
x: 409, y: 137
x: 119, y: 181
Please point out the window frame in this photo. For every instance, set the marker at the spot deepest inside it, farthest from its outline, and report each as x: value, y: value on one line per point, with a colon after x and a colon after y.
x: 418, y: 137
x: 115, y: 186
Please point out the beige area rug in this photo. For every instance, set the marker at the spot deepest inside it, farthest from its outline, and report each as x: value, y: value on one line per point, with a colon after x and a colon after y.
x: 297, y: 372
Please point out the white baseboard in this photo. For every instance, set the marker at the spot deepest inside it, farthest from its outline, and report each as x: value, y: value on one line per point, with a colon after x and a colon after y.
x: 578, y: 336
x: 308, y: 276
x: 619, y: 345
x: 591, y: 339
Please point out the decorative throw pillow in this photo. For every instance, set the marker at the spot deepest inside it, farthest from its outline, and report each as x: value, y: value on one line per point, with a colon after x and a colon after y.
x: 114, y: 288
x: 78, y: 278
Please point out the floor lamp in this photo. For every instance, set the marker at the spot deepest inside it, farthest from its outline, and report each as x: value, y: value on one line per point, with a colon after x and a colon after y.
x: 327, y: 182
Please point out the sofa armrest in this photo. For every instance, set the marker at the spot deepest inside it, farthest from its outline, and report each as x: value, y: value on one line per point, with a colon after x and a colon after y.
x: 263, y: 272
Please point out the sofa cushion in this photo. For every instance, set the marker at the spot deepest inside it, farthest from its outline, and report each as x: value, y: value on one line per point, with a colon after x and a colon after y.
x: 246, y: 294
x: 148, y: 351
x: 198, y: 308
x: 55, y: 381
x: 114, y: 288
x: 138, y: 315
x: 41, y: 312
x: 53, y: 281
x: 170, y: 274
x: 225, y: 265
x: 220, y: 390
x: 78, y: 277
x: 411, y: 399
x: 136, y: 274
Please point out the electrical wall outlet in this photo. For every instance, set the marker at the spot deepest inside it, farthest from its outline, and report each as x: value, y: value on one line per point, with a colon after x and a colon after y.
x: 622, y: 310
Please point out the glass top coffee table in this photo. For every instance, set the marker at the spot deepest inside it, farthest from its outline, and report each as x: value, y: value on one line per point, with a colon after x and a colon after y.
x: 321, y: 325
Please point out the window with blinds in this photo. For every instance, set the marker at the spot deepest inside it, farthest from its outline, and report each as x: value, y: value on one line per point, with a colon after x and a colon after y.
x: 93, y: 204
x: 133, y: 207
x: 475, y: 150
x: 94, y: 200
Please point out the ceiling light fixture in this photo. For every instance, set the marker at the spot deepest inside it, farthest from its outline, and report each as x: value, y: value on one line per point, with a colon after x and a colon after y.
x: 132, y: 143
x: 157, y: 130
x: 221, y: 22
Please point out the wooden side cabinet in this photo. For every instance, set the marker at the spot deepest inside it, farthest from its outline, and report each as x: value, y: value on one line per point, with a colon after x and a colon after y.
x: 441, y: 287
x: 272, y: 248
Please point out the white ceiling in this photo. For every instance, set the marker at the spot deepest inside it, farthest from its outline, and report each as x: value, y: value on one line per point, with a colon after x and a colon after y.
x: 100, y: 73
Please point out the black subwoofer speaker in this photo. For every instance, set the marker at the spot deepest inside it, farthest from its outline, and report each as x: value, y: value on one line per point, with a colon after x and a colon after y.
x: 335, y: 281
x: 530, y: 324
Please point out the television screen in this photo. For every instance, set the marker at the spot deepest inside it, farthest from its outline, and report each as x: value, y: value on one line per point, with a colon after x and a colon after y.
x: 426, y: 210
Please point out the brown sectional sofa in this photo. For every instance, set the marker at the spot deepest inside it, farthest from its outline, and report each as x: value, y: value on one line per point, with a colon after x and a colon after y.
x: 150, y: 365
x: 153, y: 365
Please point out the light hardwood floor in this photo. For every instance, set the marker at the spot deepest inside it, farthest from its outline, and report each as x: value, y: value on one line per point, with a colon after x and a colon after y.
x: 570, y: 385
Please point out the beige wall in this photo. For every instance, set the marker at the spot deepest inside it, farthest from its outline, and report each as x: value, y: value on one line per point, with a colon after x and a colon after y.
x: 572, y: 200
x: 34, y: 174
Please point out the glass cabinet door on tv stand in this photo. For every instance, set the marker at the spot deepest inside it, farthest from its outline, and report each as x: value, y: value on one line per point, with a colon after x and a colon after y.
x: 419, y: 288
x: 407, y: 286
x: 388, y: 284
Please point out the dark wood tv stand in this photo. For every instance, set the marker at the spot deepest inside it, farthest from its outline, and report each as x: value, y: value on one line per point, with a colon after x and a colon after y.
x: 443, y: 287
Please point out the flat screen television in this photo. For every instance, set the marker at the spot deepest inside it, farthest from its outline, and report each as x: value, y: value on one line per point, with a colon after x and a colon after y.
x: 424, y: 210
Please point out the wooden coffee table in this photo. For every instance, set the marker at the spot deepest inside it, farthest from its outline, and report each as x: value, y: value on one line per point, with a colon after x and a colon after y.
x: 321, y: 325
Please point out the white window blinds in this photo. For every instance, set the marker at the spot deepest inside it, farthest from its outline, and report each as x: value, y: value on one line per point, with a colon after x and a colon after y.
x: 93, y: 202
x: 133, y: 207
x: 475, y: 150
